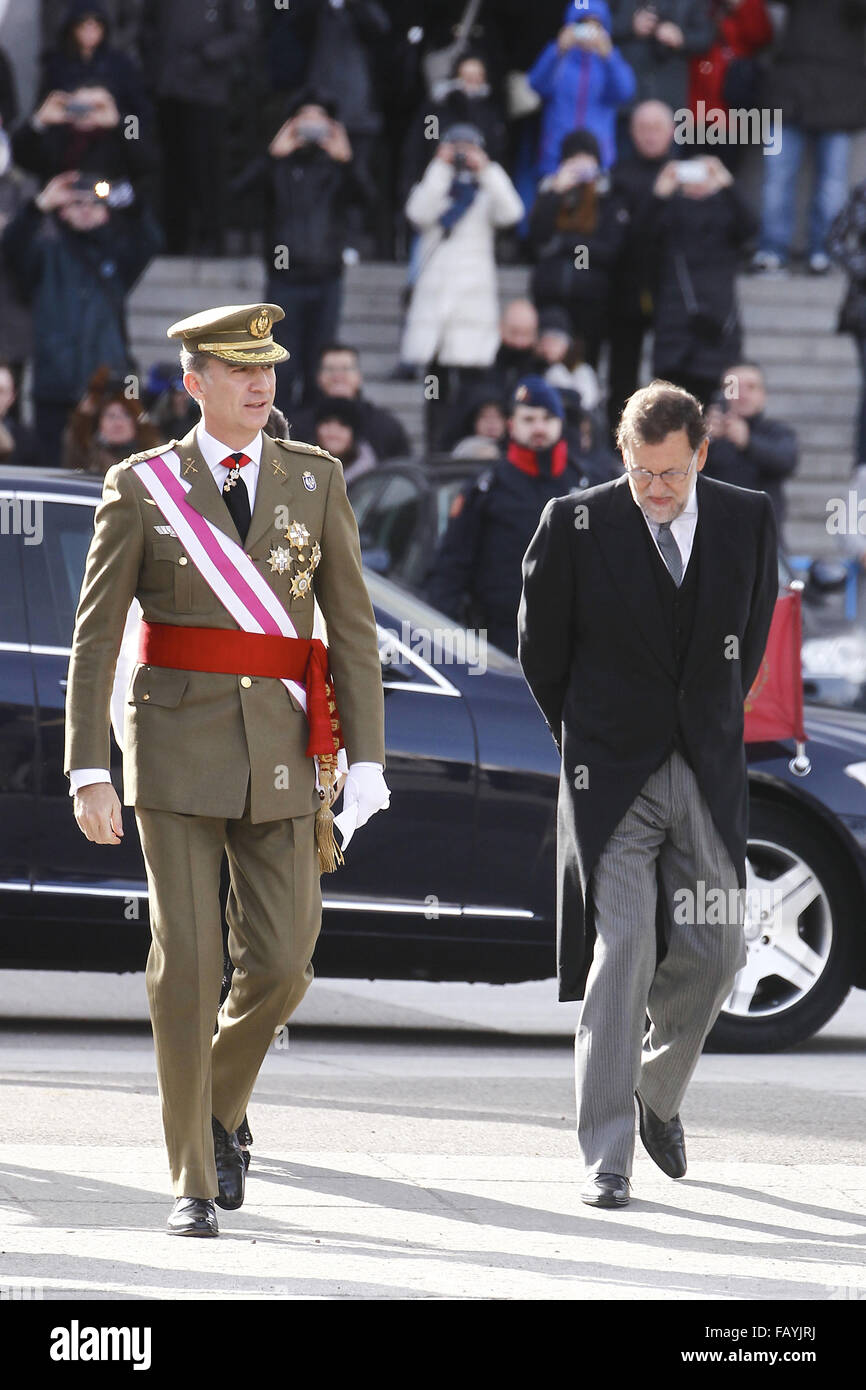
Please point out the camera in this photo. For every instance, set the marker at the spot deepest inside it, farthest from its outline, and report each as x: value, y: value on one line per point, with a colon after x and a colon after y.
x: 584, y: 30
x: 99, y: 190
x: 77, y: 109
x: 691, y: 170
x: 313, y: 132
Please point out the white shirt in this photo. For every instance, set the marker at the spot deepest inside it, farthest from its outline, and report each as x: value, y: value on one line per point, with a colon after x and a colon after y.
x: 682, y: 527
x: 213, y: 453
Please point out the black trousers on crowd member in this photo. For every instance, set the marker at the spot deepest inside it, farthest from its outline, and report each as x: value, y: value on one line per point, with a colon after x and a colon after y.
x: 192, y: 138
x: 627, y: 334
x: 50, y: 419
x: 588, y: 322
x: 860, y: 441
x: 312, y: 309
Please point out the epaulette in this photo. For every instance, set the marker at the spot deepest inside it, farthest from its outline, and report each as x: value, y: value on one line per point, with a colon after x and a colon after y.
x: 306, y: 448
x: 150, y: 453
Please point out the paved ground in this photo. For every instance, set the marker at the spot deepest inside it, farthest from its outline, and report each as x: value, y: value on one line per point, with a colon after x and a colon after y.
x: 415, y: 1141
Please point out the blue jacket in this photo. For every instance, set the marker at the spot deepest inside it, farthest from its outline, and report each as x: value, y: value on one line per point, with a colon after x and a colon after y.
x: 580, y: 91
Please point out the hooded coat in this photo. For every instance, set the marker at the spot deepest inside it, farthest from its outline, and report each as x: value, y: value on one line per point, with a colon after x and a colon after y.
x: 454, y: 312
x: 580, y: 90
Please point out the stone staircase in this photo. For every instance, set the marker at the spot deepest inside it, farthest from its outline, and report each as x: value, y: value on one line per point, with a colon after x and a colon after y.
x: 811, y: 371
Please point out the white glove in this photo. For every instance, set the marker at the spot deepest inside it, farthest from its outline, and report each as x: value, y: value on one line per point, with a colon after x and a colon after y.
x: 365, y: 792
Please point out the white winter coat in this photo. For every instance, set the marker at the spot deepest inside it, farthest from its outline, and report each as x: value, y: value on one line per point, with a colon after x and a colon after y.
x: 454, y: 312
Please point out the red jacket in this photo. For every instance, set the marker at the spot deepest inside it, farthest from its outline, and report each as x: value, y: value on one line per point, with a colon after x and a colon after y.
x: 739, y: 34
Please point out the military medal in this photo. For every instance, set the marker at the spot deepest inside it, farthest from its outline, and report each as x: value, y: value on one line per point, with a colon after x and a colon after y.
x: 279, y: 559
x: 233, y: 475
x: 302, y: 584
x: 308, y: 481
x: 298, y: 535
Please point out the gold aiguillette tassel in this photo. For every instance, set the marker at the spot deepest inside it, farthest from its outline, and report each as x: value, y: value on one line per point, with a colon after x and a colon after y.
x: 330, y: 854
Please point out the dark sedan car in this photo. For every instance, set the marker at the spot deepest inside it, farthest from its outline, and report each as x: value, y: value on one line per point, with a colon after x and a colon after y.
x: 456, y: 880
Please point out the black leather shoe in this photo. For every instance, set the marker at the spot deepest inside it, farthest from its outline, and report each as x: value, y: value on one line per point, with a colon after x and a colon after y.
x: 193, y: 1216
x: 230, y: 1167
x: 663, y: 1140
x: 606, y: 1190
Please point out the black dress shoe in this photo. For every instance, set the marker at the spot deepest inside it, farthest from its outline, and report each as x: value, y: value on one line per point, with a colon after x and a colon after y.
x: 663, y: 1140
x: 230, y: 1167
x: 193, y: 1216
x: 606, y: 1190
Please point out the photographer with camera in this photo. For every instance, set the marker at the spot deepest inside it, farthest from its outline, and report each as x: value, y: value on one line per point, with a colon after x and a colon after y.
x: 88, y: 92
x: 309, y: 185
x: 658, y: 40
x: 582, y: 80
x: 75, y: 251
x: 459, y: 204
x: 699, y: 225
x: 577, y: 231
x: 747, y: 447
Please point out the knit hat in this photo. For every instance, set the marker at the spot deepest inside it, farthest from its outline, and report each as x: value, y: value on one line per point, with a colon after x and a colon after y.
x: 535, y: 391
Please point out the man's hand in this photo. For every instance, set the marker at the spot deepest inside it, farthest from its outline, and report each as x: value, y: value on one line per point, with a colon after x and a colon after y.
x: 336, y: 143
x: 644, y: 22
x: 668, y: 180
x: 445, y: 152
x: 52, y: 111
x: 738, y: 431
x: 58, y: 191
x: 286, y: 140
x: 102, y: 114
x: 97, y: 811
x: 670, y: 34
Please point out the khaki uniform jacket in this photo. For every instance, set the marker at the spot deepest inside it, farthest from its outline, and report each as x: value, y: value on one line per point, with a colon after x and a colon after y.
x: 194, y: 740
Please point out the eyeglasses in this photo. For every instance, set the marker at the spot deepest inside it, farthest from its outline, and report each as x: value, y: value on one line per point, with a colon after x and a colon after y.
x: 644, y: 476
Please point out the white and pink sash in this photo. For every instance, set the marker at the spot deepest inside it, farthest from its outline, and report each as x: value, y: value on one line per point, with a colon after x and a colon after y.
x: 224, y: 566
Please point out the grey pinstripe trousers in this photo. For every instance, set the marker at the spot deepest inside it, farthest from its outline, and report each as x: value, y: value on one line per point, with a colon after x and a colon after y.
x: 666, y: 842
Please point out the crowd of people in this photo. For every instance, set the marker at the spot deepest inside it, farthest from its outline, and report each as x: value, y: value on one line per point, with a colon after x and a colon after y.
x: 451, y: 135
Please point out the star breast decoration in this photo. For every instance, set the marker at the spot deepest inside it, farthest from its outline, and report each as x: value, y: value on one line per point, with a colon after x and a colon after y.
x: 282, y: 559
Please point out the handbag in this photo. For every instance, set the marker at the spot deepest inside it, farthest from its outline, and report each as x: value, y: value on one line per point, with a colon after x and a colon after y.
x: 438, y: 64
x: 852, y: 311
x: 520, y: 99
x: 706, y: 325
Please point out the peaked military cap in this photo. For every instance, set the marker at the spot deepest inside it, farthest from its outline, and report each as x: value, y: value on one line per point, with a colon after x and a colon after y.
x: 234, y: 333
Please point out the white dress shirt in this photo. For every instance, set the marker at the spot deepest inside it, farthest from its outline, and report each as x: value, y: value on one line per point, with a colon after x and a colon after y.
x: 213, y: 453
x: 682, y: 528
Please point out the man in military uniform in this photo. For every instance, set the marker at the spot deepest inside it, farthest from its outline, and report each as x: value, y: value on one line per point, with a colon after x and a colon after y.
x: 226, y: 538
x: 475, y: 576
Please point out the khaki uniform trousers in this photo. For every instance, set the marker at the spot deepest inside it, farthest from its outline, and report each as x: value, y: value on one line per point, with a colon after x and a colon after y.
x: 274, y: 915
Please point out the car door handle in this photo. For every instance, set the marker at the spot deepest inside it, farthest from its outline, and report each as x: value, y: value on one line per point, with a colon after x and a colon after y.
x: 62, y: 683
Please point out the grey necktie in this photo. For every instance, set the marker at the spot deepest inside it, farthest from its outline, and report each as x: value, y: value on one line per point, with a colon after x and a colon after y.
x: 670, y: 552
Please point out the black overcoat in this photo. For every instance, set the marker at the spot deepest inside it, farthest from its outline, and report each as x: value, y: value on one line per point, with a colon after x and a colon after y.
x: 599, y: 659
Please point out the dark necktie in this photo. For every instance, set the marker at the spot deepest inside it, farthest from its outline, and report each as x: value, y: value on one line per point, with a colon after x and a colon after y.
x: 235, y: 494
x: 670, y: 552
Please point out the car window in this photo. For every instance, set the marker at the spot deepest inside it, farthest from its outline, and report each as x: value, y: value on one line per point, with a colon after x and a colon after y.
x: 13, y: 621
x: 53, y: 571
x: 363, y: 493
x: 389, y: 522
x: 402, y: 612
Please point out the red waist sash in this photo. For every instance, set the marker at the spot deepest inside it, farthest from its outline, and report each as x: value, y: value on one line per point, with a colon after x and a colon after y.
x: 230, y: 652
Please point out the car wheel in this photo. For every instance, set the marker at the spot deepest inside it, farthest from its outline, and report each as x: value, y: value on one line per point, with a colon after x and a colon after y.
x: 799, y: 967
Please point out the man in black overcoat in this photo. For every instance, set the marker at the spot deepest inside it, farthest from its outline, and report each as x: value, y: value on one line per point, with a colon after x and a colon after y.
x: 645, y: 611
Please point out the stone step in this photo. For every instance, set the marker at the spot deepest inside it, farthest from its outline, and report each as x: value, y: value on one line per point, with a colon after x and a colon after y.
x: 803, y: 539
x: 771, y: 349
